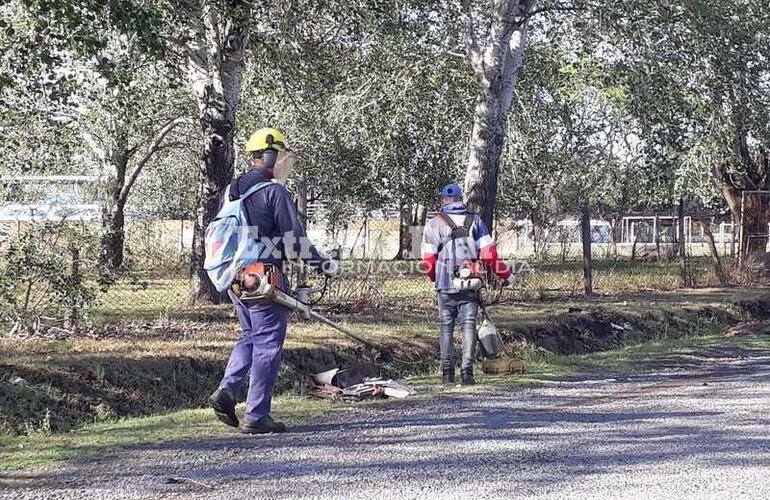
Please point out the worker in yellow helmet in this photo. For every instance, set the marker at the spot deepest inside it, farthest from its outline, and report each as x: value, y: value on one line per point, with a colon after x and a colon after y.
x: 268, y: 207
x: 269, y: 146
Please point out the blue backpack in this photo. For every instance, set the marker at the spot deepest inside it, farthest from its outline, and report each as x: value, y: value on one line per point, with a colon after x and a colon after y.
x: 231, y: 244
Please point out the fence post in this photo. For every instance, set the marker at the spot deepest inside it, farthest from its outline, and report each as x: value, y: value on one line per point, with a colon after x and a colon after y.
x: 682, y: 244
x: 585, y: 236
x: 302, y: 203
x: 741, y: 245
x: 75, y: 276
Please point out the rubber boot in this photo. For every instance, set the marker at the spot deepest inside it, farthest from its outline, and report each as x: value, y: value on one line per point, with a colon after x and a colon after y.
x: 264, y: 425
x: 466, y: 376
x: 448, y: 375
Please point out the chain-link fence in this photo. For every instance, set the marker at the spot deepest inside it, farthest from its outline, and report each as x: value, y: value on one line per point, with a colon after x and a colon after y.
x: 156, y: 281
x: 374, y: 284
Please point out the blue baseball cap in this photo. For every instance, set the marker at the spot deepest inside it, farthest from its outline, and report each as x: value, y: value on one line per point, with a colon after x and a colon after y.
x: 451, y: 190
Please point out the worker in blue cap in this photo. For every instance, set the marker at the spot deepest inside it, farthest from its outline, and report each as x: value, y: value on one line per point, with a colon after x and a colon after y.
x: 456, y: 248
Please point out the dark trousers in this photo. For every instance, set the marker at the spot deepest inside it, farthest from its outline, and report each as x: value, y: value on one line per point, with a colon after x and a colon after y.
x: 459, y: 307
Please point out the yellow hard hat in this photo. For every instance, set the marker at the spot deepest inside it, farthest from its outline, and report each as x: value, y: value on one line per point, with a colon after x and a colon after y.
x: 265, y: 138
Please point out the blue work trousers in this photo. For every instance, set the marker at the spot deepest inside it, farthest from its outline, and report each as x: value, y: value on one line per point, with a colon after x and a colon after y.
x: 258, y: 349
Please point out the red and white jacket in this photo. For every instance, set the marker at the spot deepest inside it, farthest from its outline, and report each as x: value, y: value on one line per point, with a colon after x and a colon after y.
x: 437, y: 248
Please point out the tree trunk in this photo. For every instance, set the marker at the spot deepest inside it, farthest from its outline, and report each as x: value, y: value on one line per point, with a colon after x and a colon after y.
x: 412, y: 218
x: 539, y: 236
x: 734, y: 228
x: 746, y: 195
x: 715, y: 260
x: 404, y: 236
x: 113, y: 218
x: 755, y: 215
x: 113, y: 236
x: 617, y: 233
x: 585, y: 237
x: 215, y: 70
x: 419, y: 227
x: 115, y: 158
x: 497, y: 66
x: 633, y: 247
x: 750, y: 214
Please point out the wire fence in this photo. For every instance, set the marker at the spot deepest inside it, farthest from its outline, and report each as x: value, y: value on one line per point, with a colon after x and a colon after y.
x: 378, y: 284
x: 157, y: 283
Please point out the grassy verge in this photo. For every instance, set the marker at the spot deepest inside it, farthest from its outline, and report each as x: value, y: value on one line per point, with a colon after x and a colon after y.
x: 53, y: 388
x: 633, y: 358
x: 42, y: 450
x: 543, y: 366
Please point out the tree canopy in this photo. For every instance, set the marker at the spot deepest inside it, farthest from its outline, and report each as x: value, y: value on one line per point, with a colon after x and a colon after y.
x: 542, y: 108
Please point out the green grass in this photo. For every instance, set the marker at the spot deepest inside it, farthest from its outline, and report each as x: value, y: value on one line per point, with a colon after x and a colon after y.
x: 42, y: 450
x: 632, y: 358
x: 544, y: 367
x: 167, y: 365
x: 137, y: 360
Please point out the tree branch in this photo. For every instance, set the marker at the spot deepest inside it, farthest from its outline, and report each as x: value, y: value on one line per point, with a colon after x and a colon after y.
x: 94, y: 144
x: 471, y: 40
x: 555, y: 8
x: 157, y: 144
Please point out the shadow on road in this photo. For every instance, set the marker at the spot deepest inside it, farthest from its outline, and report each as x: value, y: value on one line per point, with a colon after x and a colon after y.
x: 708, y: 408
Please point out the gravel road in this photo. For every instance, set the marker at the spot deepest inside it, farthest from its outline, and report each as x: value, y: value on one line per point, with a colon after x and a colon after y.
x: 694, y: 427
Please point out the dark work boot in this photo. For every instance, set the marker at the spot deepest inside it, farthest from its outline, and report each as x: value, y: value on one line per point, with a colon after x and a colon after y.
x: 448, y: 375
x: 466, y: 376
x: 223, y: 403
x: 264, y: 425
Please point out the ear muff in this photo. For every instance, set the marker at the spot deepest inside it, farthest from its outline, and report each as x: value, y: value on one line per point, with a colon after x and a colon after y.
x: 269, y: 157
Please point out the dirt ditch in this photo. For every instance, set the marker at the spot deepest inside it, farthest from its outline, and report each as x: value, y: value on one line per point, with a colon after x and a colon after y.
x: 40, y: 392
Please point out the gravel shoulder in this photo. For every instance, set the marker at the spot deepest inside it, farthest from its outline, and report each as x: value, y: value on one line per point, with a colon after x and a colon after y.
x: 695, y: 426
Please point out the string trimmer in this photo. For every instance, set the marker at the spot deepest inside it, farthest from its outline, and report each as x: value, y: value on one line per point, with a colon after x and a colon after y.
x: 278, y: 296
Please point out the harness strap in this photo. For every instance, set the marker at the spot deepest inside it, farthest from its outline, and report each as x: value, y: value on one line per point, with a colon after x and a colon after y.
x: 447, y: 220
x: 467, y: 225
x: 467, y: 221
x: 235, y: 193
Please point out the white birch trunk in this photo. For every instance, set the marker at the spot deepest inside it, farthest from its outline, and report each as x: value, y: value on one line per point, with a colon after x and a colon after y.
x: 215, y: 72
x: 497, y: 66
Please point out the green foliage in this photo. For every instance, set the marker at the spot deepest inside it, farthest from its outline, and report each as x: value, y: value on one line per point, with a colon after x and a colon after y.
x: 572, y: 141
x: 378, y: 112
x: 697, y: 73
x: 622, y: 106
x: 45, y: 273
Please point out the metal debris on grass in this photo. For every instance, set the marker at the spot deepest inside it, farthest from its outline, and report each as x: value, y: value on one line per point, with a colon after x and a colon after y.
x: 336, y: 384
